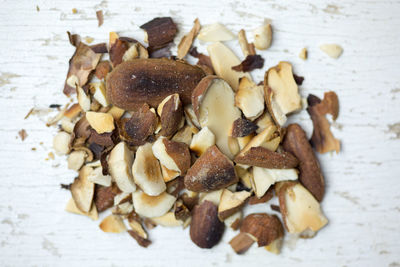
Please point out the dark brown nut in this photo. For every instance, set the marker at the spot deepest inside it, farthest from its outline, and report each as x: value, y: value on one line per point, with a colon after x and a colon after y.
x: 241, y: 242
x: 243, y: 127
x: 322, y: 138
x: 212, y: 171
x: 171, y: 115
x: 179, y: 153
x: 265, y: 158
x: 104, y: 139
x: 139, y: 81
x: 250, y: 63
x: 104, y: 197
x: 143, y: 242
x: 264, y: 227
x: 205, y: 228
x: 310, y: 172
x: 160, y: 32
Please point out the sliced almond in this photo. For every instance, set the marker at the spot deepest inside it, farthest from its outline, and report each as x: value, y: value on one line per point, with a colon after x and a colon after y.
x: 76, y: 160
x: 83, y: 99
x: 250, y: 98
x: 263, y: 178
x: 123, y: 209
x: 119, y: 165
x: 213, y: 103
x: 247, y: 49
x: 112, y: 224
x: 245, y: 176
x: 71, y: 207
x: 263, y: 122
x: 332, y: 50
x: 205, y: 228
x: 61, y: 143
x: 173, y: 155
x: 202, y: 140
x: 184, y: 135
x: 137, y: 227
x: 300, y: 210
x: 213, y: 196
x: 116, y: 112
x: 131, y: 53
x: 212, y: 171
x: 285, y: 90
x: 223, y: 59
x: 231, y: 203
x: 73, y: 111
x: 243, y: 141
x: 167, y: 220
x: 101, y: 122
x: 99, y: 93
x: 171, y: 113
x: 122, y: 197
x: 214, y: 33
x: 168, y: 175
x: 187, y: 40
x: 152, y: 206
x: 82, y: 190
x: 303, y: 53
x: 273, y: 107
x: 96, y: 176
x: 147, y: 171
x: 67, y: 125
x: 190, y: 117
x: 263, y: 37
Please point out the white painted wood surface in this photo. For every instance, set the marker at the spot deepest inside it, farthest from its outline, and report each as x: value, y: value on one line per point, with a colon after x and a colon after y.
x: 362, y: 200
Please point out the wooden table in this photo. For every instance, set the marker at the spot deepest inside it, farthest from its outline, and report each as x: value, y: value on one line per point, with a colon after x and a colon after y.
x: 363, y: 193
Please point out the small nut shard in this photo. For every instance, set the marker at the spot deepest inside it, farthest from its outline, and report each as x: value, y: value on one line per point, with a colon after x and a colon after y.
x: 263, y: 178
x: 300, y: 210
x: 230, y: 203
x: 101, y: 122
x: 146, y: 171
x: 332, y: 50
x: 247, y: 49
x: 212, y: 171
x: 242, y: 127
x: 241, y: 242
x: 303, y: 54
x: 202, y: 140
x: 263, y: 37
x: 119, y: 165
x: 82, y: 190
x: 187, y: 40
x: 265, y: 158
x: 250, y: 99
x: 97, y: 177
x: 322, y: 138
x: 171, y: 114
x: 71, y: 207
x: 160, y: 31
x: 216, y: 32
x: 76, y: 160
x: 152, y: 206
x: 112, y: 224
x: 61, y: 143
x: 205, y: 228
x: 83, y: 99
x: 99, y: 93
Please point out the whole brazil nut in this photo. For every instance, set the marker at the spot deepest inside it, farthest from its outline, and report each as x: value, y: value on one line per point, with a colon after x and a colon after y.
x: 311, y: 177
x: 139, y: 81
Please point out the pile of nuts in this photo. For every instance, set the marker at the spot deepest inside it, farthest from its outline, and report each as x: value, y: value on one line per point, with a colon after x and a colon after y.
x: 159, y: 141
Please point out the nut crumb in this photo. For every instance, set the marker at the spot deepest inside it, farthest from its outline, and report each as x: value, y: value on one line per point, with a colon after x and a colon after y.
x: 74, y: 11
x: 22, y: 133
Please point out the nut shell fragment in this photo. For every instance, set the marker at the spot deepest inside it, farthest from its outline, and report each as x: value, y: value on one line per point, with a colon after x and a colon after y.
x: 112, y: 224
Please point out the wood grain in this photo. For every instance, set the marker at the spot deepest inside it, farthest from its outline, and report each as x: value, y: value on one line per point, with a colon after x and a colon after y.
x: 362, y: 197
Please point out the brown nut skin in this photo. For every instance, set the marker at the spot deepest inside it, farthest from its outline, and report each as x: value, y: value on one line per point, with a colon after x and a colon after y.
x: 180, y: 153
x: 171, y: 117
x: 212, y: 171
x: 205, y: 228
x: 266, y: 228
x: 310, y: 176
x: 265, y: 158
x: 139, y: 81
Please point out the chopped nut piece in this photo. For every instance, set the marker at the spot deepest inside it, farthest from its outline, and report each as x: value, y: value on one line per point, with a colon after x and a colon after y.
x: 242, y: 127
x: 167, y: 220
x: 250, y: 63
x: 73, y: 111
x: 247, y: 49
x: 223, y: 59
x: 322, y: 138
x: 231, y: 203
x: 212, y: 171
x: 214, y: 33
x: 206, y: 229
x: 101, y: 122
x: 303, y: 54
x: 241, y: 243
x: 173, y: 155
x: 265, y: 158
x: 264, y: 227
x: 265, y: 198
x: 83, y: 99
x: 99, y: 93
x: 139, y: 81
x: 104, y: 197
x: 187, y: 40
x: 140, y: 240
x: 184, y: 135
x: 332, y: 50
x: 160, y: 32
x: 202, y: 140
x: 310, y: 176
x: 263, y: 37
x: 171, y: 114
x: 250, y: 99
x: 99, y: 15
x: 213, y: 104
x: 71, y: 207
x: 190, y: 117
x: 284, y: 88
x: 112, y: 224
x: 82, y: 190
x: 61, y: 143
x: 22, y: 133
x: 213, y: 196
x: 116, y: 112
x: 76, y: 160
x: 119, y: 164
x: 263, y: 178
x: 97, y: 177
x: 168, y: 175
x: 264, y: 121
x: 152, y: 206
x: 300, y: 210
x: 146, y: 171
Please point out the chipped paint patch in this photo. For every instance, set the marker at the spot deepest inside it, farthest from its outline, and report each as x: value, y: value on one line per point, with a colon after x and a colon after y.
x: 348, y: 197
x: 332, y: 9
x: 394, y: 264
x: 394, y: 129
x: 5, y: 78
x: 49, y: 246
x: 7, y: 221
x: 23, y: 216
